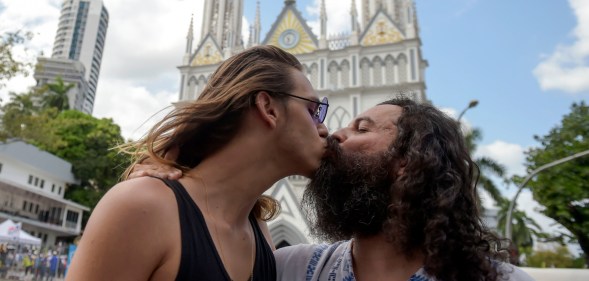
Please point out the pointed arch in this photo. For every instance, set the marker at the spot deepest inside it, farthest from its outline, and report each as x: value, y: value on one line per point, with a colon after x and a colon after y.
x: 192, y: 88
x: 285, y: 233
x: 377, y: 71
x: 365, y: 67
x: 402, y: 68
x: 314, y: 71
x: 202, y: 82
x: 333, y: 70
x: 345, y: 73
x: 339, y: 118
x: 389, y: 66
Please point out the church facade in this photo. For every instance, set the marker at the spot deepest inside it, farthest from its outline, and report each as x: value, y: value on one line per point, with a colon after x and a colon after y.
x: 379, y: 58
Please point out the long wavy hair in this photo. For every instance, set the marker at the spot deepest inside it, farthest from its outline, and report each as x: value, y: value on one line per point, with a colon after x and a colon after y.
x: 434, y: 206
x: 202, y: 127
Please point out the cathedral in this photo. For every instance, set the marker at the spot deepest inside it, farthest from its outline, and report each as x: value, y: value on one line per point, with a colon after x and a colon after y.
x: 379, y: 58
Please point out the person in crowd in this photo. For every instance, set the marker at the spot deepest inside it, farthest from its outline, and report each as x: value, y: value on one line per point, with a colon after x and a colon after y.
x: 257, y: 120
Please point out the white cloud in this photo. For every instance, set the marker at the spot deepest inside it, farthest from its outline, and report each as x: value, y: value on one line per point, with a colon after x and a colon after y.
x: 508, y: 154
x: 144, y: 44
x: 338, y: 16
x: 567, y: 69
x: 135, y: 112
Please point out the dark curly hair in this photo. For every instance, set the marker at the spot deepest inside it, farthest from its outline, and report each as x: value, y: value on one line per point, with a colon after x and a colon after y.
x: 434, y: 207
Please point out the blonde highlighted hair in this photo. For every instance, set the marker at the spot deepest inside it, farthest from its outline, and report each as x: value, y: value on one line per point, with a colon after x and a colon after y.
x: 200, y: 128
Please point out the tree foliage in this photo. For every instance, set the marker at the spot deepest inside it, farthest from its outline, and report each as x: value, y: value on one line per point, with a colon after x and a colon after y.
x: 563, y: 190
x: 487, y: 166
x: 81, y: 139
x: 525, y: 228
x: 55, y: 94
x: 559, y: 257
x: 9, y: 65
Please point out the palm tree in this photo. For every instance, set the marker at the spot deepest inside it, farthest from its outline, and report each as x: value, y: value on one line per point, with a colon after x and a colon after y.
x: 56, y: 94
x: 486, y: 165
x: 22, y: 103
x: 524, y: 227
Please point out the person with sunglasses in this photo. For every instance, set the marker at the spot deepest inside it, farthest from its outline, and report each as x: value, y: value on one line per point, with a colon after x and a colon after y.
x: 258, y: 120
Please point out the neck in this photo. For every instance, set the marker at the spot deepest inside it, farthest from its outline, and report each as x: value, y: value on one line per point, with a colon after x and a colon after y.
x: 235, y: 177
x: 375, y: 258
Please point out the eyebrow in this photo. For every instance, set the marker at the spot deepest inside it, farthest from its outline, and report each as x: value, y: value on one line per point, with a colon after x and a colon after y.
x: 365, y: 119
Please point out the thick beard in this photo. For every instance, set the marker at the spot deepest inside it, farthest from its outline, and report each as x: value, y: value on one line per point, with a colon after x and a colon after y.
x: 349, y: 194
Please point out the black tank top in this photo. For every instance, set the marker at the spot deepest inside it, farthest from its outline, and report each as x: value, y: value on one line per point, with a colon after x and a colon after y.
x: 200, y: 259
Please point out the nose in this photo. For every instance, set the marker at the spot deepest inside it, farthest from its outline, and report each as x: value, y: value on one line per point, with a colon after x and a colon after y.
x: 322, y: 129
x: 340, y: 135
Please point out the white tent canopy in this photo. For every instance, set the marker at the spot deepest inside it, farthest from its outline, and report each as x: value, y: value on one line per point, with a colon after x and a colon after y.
x: 11, y: 232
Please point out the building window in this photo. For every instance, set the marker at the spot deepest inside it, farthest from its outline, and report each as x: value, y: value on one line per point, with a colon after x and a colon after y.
x: 24, y: 205
x: 42, y: 183
x: 71, y: 219
x: 30, y: 207
x: 36, y: 181
x: 37, y: 209
x: 59, y: 192
x: 30, y: 179
x: 0, y: 167
x: 53, y: 188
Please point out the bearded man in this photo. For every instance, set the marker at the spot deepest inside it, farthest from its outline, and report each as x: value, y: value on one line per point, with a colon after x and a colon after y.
x: 397, y: 189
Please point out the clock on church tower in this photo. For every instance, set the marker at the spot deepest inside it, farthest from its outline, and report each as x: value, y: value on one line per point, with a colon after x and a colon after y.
x: 289, y: 39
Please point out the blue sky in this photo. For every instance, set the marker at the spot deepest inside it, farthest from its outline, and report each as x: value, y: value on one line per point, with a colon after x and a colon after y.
x: 526, y: 61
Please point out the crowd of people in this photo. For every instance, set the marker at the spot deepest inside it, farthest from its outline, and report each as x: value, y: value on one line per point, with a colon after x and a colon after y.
x: 32, y: 265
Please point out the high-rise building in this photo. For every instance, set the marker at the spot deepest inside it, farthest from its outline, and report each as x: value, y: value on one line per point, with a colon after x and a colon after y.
x: 80, y: 36
x: 379, y: 58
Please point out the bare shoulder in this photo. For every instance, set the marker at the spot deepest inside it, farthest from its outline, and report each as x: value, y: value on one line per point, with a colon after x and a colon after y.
x: 129, y: 233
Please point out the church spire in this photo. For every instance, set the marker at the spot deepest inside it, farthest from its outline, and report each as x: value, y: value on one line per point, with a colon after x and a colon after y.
x: 189, y: 41
x: 323, y: 19
x: 257, y: 25
x: 222, y: 21
x: 355, y: 24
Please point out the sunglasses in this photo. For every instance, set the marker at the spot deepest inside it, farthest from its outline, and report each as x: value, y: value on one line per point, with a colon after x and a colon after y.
x: 321, y: 110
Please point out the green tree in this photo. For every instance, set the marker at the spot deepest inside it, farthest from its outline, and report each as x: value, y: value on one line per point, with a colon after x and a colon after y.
x: 23, y: 119
x: 524, y: 228
x: 559, y: 257
x: 87, y: 142
x: 486, y: 165
x: 9, y: 66
x: 84, y: 141
x: 563, y: 190
x: 55, y: 94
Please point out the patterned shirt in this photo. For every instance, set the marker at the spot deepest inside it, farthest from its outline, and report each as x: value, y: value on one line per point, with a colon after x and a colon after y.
x: 333, y: 262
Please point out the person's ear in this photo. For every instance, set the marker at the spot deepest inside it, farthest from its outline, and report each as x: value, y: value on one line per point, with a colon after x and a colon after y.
x: 267, y: 108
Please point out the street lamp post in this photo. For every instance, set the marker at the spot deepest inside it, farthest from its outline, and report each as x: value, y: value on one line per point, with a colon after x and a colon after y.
x: 471, y: 104
x: 508, y: 222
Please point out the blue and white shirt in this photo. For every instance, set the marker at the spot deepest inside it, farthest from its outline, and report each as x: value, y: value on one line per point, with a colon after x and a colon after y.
x: 333, y: 262
x: 322, y: 262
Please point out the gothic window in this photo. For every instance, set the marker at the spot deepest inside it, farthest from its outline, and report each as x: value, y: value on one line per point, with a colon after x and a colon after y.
x: 192, y: 84
x: 402, y: 68
x: 333, y: 73
x: 200, y: 85
x: 315, y: 76
x: 345, y: 74
x: 365, y: 72
x: 389, y: 70
x: 378, y: 71
x: 338, y: 119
